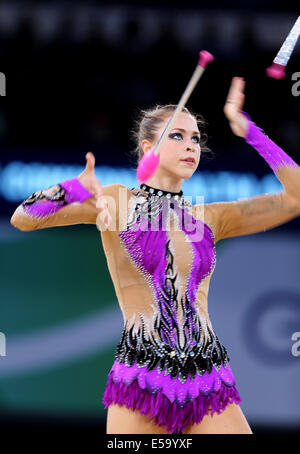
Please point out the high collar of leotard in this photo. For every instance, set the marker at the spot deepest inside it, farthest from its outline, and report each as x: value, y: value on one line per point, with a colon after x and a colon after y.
x: 160, y: 192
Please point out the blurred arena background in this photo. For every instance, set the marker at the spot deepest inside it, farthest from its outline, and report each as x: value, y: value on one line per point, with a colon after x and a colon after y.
x: 76, y: 75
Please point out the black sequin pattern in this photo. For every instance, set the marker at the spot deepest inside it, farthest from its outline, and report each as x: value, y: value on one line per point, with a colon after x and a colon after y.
x: 158, y: 354
x: 54, y: 193
x: 149, y: 207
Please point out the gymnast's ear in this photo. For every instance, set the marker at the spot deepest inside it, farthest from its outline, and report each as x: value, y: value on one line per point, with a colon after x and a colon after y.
x: 146, y: 145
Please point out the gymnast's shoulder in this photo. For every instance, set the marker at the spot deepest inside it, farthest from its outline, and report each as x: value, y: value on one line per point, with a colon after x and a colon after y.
x: 208, y: 214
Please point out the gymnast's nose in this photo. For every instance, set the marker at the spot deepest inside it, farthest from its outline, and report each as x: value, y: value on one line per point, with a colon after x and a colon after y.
x: 189, y: 148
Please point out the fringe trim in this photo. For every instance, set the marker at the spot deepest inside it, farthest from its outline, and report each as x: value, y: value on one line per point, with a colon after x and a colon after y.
x: 164, y: 412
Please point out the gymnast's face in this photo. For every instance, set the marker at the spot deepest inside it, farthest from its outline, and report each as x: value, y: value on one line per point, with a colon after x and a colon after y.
x: 183, y: 142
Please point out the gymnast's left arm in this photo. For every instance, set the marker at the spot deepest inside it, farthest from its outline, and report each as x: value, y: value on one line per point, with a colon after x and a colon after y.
x: 265, y: 211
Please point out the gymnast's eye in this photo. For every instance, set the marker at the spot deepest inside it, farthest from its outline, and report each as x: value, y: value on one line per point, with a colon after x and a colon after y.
x: 174, y: 134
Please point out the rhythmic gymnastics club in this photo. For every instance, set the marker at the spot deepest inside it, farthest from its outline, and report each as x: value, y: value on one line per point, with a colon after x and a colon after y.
x: 277, y: 69
x: 149, y: 162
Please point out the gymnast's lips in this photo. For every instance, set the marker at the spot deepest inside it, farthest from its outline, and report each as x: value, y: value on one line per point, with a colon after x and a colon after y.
x: 190, y: 160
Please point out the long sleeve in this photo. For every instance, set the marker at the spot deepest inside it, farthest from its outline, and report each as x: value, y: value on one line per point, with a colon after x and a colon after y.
x: 285, y: 168
x: 261, y: 212
x: 61, y: 204
x: 69, y: 203
x: 48, y: 201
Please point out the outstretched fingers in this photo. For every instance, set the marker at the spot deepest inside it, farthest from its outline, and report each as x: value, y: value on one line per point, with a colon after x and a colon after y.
x: 236, y: 90
x: 90, y: 161
x: 235, y: 98
x: 100, y: 202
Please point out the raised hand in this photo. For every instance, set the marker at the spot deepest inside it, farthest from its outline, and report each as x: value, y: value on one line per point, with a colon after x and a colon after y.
x: 89, y: 180
x: 233, y: 106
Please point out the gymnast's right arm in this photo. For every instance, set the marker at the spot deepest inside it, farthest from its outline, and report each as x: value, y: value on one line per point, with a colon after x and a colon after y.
x: 75, y: 201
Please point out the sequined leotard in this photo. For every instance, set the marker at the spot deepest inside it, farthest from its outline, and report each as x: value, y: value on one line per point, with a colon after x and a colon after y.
x: 169, y: 363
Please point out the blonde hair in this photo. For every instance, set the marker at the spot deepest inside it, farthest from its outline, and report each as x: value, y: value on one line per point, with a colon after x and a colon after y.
x: 148, y: 122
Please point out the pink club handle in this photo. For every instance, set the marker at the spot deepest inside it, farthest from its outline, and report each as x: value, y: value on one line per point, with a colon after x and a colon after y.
x: 276, y: 71
x: 205, y: 58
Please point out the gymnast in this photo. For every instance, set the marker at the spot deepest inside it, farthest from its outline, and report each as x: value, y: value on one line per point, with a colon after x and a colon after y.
x: 170, y: 372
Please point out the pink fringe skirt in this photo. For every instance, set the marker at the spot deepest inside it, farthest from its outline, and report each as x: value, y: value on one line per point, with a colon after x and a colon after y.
x: 166, y: 400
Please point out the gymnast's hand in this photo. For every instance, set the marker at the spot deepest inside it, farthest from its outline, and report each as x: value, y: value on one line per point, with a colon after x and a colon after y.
x: 89, y: 180
x: 234, y: 104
